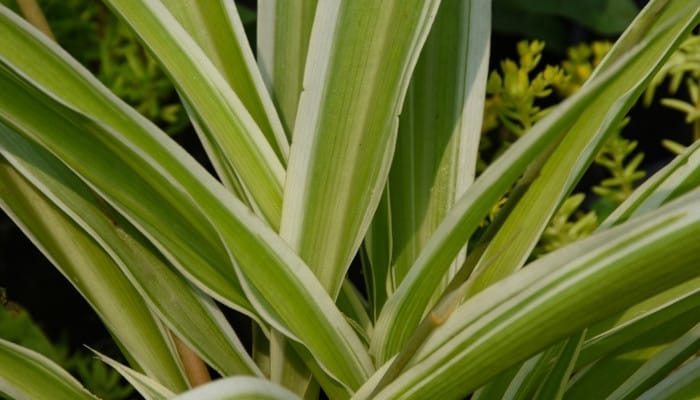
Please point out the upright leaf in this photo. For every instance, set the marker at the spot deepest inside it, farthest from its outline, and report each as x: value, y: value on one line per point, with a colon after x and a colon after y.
x: 346, y: 126
x: 283, y: 31
x: 218, y: 30
x: 404, y: 310
x: 167, y: 201
x: 438, y: 138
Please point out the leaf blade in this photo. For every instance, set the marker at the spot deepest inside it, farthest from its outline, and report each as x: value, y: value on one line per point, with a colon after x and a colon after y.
x: 234, y: 132
x: 22, y: 369
x: 283, y: 32
x: 144, y: 195
x: 94, y: 275
x: 346, y: 128
x: 631, y: 250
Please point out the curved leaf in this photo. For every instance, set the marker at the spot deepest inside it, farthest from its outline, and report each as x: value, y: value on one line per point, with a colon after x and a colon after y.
x: 523, y: 314
x: 189, y: 313
x: 194, y: 242
x: 408, y: 305
x: 94, y: 274
x: 149, y: 195
x: 238, y: 388
x: 234, y: 132
x: 27, y: 374
x: 147, y: 387
x: 218, y: 30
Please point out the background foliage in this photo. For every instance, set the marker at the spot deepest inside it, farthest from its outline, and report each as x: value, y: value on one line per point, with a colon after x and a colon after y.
x: 519, y: 93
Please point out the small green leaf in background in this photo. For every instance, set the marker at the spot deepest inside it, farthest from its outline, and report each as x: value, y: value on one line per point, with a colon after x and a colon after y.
x: 99, y: 378
x: 17, y: 326
x: 29, y: 375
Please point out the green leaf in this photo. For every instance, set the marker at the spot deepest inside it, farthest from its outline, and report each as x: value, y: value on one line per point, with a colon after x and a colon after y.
x: 208, y: 22
x: 161, y: 200
x: 608, y: 336
x: 382, y: 128
x: 563, y: 169
x: 93, y: 273
x: 346, y: 126
x: 528, y: 376
x: 147, y: 387
x: 684, y: 383
x: 27, y: 374
x: 189, y: 313
x: 235, y: 135
x: 439, y: 132
x: 553, y: 385
x: 193, y: 241
x: 238, y: 388
x: 659, y: 366
x: 603, y: 376
x: 409, y: 303
x: 524, y: 313
x: 283, y: 32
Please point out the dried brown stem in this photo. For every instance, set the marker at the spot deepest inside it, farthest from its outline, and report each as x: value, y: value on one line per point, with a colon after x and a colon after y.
x: 196, y: 370
x: 32, y: 13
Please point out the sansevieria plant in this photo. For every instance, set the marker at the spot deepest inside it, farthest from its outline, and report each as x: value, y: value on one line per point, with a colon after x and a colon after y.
x: 346, y: 138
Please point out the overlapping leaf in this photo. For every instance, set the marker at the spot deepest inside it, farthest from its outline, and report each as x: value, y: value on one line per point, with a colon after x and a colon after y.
x: 404, y: 310
x: 188, y: 312
x: 209, y: 22
x: 437, y: 145
x: 236, y: 139
x: 346, y: 126
x: 523, y: 314
x: 148, y: 194
x: 93, y: 274
x: 21, y: 369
